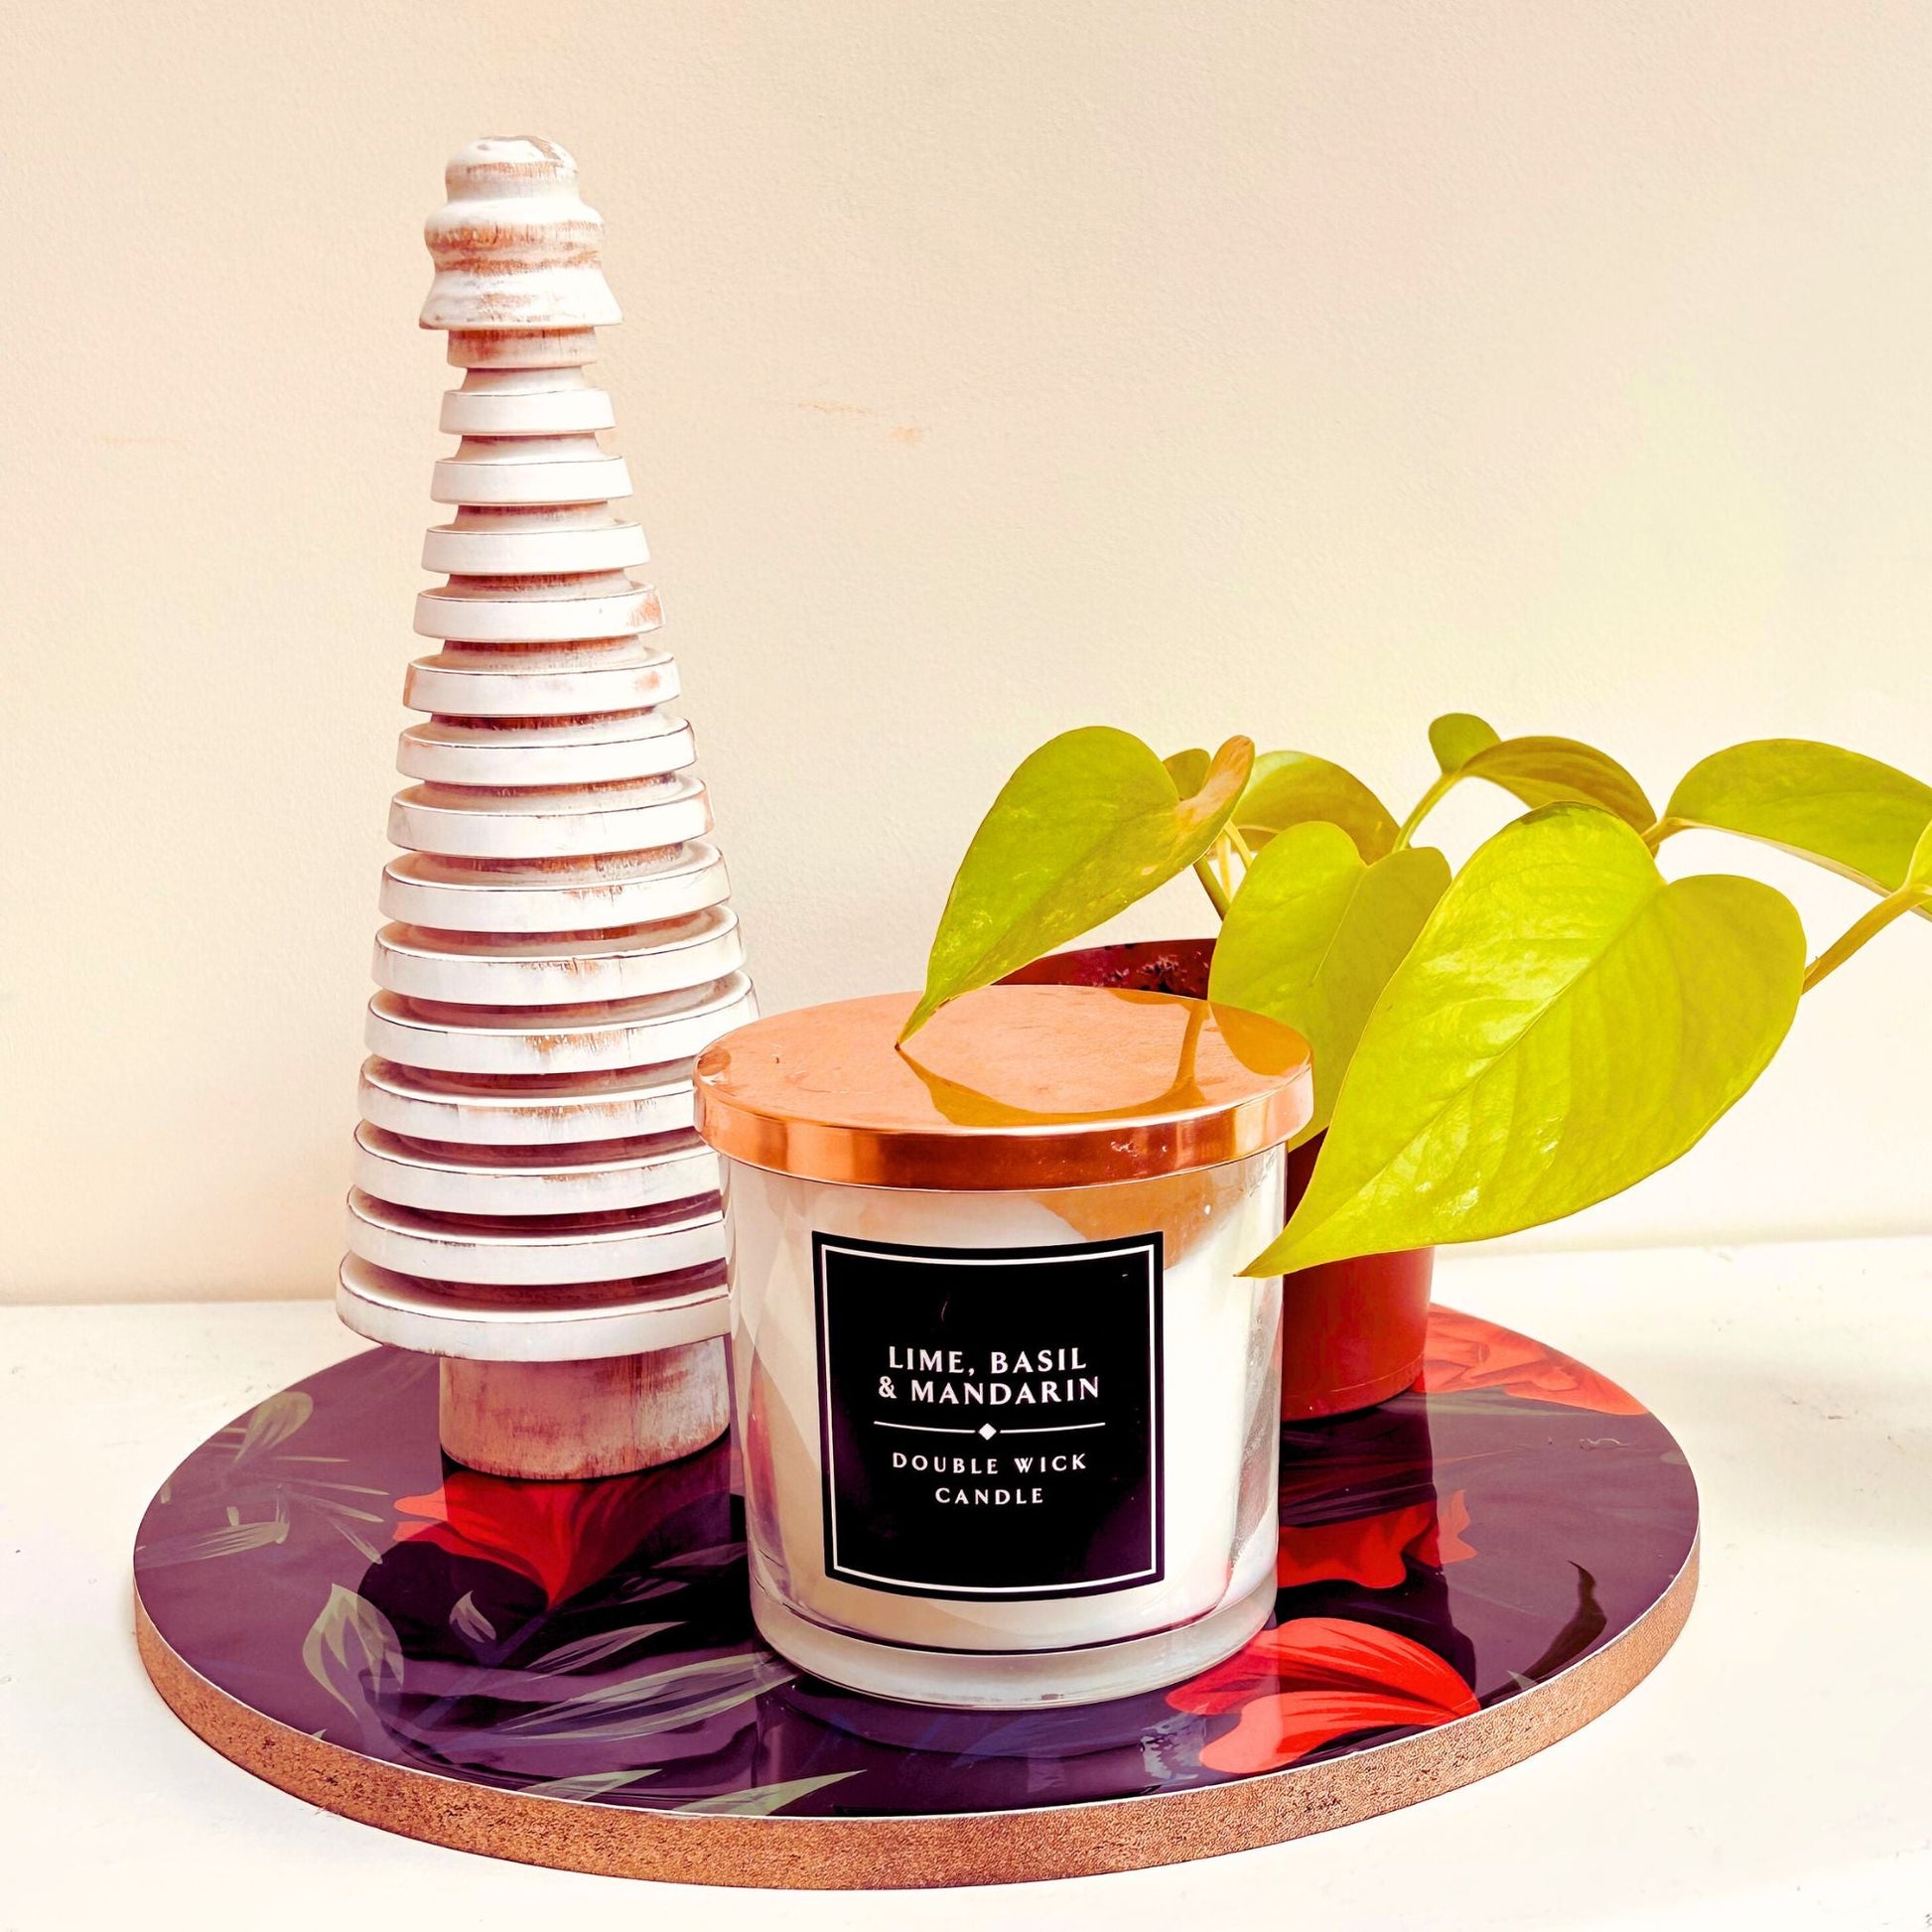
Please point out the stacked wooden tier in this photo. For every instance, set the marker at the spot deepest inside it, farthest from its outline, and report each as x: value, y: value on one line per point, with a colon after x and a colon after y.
x: 530, y: 1200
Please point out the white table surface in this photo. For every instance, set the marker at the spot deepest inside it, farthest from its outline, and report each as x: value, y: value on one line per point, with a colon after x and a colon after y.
x: 1776, y: 1770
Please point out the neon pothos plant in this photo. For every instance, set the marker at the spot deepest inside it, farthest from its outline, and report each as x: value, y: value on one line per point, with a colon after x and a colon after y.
x: 1492, y: 1050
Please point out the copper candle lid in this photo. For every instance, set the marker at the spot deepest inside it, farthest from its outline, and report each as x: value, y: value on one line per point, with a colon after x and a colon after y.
x: 1015, y: 1087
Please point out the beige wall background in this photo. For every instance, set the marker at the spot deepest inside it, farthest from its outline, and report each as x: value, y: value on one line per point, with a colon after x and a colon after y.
x: 989, y: 368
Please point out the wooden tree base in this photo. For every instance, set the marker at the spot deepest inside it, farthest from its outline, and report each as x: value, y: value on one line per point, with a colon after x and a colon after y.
x: 565, y: 1421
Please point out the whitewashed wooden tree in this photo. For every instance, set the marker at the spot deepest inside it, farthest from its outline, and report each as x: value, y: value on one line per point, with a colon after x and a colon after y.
x: 531, y: 1201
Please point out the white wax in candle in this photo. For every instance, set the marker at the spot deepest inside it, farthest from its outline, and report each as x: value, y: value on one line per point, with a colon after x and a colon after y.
x: 1221, y: 1338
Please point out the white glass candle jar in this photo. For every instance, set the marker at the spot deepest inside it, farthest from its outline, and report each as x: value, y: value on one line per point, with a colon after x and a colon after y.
x: 1009, y: 1407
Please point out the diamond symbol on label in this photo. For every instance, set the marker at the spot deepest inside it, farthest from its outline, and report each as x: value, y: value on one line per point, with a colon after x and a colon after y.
x: 987, y: 1430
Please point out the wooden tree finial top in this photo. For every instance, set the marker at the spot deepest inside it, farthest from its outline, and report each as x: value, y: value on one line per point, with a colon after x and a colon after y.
x: 514, y: 246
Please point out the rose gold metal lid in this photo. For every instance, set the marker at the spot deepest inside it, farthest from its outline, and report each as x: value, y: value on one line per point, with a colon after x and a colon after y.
x: 1015, y: 1087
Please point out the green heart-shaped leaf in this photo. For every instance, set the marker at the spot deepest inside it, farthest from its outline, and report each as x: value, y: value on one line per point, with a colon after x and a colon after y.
x: 1313, y: 936
x: 1567, y: 1023
x: 1189, y: 770
x: 1297, y: 788
x: 1848, y: 812
x: 1456, y: 737
x: 1538, y: 771
x: 1089, y: 823
x: 1557, y: 772
x: 1919, y: 868
x: 1912, y: 894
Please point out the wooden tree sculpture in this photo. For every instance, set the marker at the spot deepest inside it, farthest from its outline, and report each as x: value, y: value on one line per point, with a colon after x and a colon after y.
x: 531, y: 1201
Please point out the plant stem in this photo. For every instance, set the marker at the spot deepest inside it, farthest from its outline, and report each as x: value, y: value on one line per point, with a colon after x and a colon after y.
x: 1215, y: 868
x: 1663, y: 829
x: 1907, y: 898
x: 1212, y: 887
x: 1430, y: 799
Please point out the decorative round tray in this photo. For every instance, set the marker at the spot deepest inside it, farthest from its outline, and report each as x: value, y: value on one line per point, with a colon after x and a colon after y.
x: 565, y: 1673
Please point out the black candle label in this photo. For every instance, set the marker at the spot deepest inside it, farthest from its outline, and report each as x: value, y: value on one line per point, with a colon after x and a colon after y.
x: 990, y: 1418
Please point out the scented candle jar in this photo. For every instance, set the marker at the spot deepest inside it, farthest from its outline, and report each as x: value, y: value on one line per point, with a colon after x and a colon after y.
x: 1007, y: 1404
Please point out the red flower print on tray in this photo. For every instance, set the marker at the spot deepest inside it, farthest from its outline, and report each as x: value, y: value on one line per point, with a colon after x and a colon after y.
x: 1463, y: 1354
x: 1371, y: 1549
x: 562, y: 1536
x: 1311, y: 1681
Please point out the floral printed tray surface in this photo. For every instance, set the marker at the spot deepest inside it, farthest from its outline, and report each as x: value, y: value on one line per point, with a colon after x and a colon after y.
x: 319, y: 1562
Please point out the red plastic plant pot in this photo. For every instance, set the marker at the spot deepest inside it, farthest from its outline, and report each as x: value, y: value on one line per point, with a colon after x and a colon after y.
x: 1352, y: 1331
